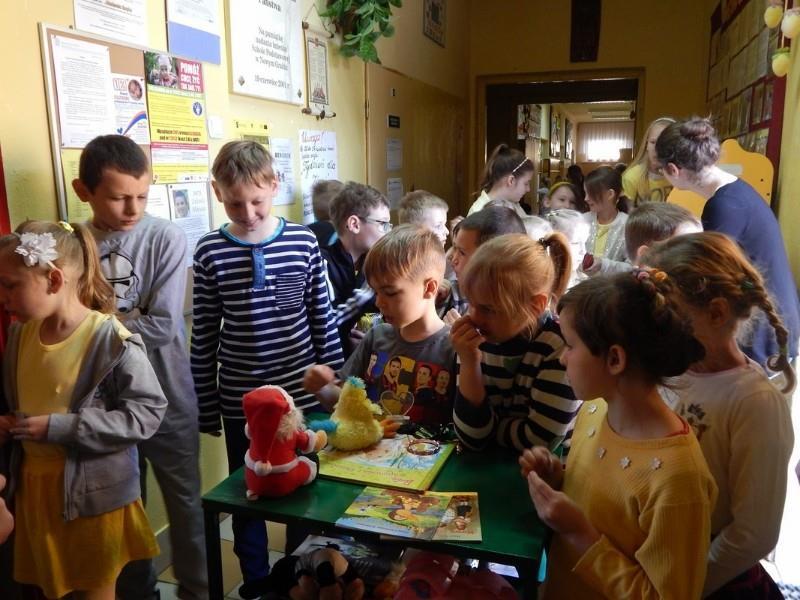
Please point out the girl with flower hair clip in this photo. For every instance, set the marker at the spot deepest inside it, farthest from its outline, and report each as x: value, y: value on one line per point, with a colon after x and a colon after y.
x: 742, y: 421
x: 79, y: 394
x: 631, y: 508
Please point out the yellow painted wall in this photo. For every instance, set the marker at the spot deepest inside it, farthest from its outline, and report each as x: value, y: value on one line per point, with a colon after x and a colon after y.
x: 668, y: 39
x: 789, y: 174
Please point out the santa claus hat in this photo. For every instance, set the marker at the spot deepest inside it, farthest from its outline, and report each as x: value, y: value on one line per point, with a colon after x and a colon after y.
x: 264, y: 408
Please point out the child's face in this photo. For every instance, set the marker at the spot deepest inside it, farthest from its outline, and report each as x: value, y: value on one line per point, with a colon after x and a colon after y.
x: 490, y: 320
x: 587, y: 374
x: 402, y: 301
x: 248, y: 206
x: 521, y: 185
x: 464, y: 246
x: 119, y: 200
x: 601, y: 201
x: 372, y: 228
x: 23, y: 290
x: 561, y: 198
x: 652, y: 138
x: 435, y: 219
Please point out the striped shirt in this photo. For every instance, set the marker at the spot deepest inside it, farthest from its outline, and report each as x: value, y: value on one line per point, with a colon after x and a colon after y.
x: 261, y: 316
x: 528, y: 400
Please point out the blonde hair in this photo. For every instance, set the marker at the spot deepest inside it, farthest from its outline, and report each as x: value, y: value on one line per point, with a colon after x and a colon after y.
x: 511, y: 269
x: 641, y: 152
x: 77, y: 250
x: 406, y: 252
x: 243, y: 161
x: 414, y: 204
x: 711, y: 265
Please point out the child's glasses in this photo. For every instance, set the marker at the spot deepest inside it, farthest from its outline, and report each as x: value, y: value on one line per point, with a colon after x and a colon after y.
x: 386, y: 226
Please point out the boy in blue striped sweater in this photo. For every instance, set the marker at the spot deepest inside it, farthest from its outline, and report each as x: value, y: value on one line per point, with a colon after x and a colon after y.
x: 261, y: 315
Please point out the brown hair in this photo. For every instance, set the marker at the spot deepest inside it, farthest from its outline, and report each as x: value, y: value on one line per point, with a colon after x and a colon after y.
x: 116, y: 152
x: 492, y: 221
x: 633, y: 310
x: 513, y: 268
x: 711, y: 265
x: 654, y: 222
x: 77, y: 250
x: 504, y: 161
x: 603, y: 179
x: 322, y: 192
x: 407, y: 251
x: 243, y: 161
x: 354, y: 199
x: 690, y: 144
x: 414, y: 204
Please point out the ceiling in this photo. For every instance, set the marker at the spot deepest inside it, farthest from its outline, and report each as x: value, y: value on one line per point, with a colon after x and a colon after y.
x: 583, y: 112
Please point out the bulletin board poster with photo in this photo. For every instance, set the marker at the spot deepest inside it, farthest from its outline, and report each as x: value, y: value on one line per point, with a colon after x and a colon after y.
x: 741, y: 87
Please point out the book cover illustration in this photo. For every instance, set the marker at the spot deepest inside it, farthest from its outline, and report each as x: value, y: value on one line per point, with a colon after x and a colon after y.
x: 412, y: 515
x: 388, y: 463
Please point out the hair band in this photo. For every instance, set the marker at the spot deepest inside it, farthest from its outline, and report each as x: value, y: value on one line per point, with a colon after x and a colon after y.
x: 37, y: 249
x: 559, y: 184
x: 515, y: 169
x: 423, y: 447
x: 747, y: 284
x: 545, y: 244
x: 66, y: 226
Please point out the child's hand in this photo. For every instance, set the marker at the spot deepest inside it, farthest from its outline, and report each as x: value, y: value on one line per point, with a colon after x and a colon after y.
x: 317, y: 377
x: 33, y: 429
x: 544, y: 463
x: 451, y: 316
x: 561, y: 514
x: 466, y: 339
x: 6, y: 423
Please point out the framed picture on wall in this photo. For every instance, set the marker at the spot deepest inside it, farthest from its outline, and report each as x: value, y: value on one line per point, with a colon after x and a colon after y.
x: 434, y: 20
x: 568, y: 144
x: 555, y: 134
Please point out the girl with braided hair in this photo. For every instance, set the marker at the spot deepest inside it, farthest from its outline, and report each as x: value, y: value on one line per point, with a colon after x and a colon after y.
x: 742, y: 421
x: 631, y: 509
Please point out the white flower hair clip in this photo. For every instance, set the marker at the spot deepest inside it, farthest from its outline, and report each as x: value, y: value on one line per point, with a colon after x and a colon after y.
x: 37, y: 248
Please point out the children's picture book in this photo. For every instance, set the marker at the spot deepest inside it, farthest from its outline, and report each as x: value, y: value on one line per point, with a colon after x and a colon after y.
x: 402, y: 462
x: 427, y: 516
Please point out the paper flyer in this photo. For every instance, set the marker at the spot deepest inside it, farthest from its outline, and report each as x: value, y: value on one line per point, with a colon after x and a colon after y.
x: 318, y: 160
x: 284, y: 173
x: 130, y: 107
x: 190, y: 212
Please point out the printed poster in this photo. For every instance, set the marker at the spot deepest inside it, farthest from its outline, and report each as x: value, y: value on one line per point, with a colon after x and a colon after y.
x: 394, y: 154
x: 124, y: 20
x: 190, y: 212
x: 84, y: 90
x: 284, y: 173
x: 266, y: 38
x: 318, y: 160
x: 178, y: 131
x: 193, y: 29
x: 158, y: 202
x: 317, y: 64
x: 130, y: 107
x: 394, y: 191
x: 78, y: 211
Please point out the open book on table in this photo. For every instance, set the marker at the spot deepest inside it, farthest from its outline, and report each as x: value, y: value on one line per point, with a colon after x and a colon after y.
x: 403, y: 462
x: 426, y: 516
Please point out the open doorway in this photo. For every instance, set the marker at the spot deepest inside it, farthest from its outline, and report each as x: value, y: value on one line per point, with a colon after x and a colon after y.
x: 587, y: 118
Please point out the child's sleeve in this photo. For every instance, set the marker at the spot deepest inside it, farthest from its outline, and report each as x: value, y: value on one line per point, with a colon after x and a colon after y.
x: 322, y: 324
x: 161, y: 320
x: 206, y: 322
x: 670, y: 564
x: 137, y: 407
x: 757, y: 477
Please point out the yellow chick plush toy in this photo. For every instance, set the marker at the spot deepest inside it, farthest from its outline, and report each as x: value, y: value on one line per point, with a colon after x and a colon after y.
x: 354, y: 416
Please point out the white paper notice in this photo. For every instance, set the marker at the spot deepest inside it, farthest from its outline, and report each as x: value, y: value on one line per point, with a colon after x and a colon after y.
x: 318, y: 160
x: 158, y: 202
x: 124, y: 20
x: 282, y: 153
x: 189, y: 207
x: 394, y: 191
x: 197, y: 14
x: 394, y: 154
x: 130, y: 108
x: 267, y: 58
x: 85, y: 95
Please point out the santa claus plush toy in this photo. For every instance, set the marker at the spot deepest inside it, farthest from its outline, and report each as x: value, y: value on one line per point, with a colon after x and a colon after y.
x: 276, y: 432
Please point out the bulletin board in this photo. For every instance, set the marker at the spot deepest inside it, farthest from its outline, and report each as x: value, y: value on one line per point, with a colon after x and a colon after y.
x: 743, y: 96
x: 154, y: 98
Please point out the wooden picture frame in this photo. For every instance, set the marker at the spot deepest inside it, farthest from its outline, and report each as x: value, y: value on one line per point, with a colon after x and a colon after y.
x: 434, y: 20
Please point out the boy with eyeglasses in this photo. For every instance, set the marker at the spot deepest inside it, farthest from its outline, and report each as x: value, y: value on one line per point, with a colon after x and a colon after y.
x: 360, y: 214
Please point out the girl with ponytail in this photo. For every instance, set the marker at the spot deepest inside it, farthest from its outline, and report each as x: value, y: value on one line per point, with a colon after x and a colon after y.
x: 506, y: 179
x: 742, y: 421
x: 79, y: 395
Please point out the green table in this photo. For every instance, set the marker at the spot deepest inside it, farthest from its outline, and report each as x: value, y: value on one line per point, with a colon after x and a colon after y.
x: 512, y: 532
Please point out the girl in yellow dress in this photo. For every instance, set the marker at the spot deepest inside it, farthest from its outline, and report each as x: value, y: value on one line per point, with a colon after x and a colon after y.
x: 80, y: 393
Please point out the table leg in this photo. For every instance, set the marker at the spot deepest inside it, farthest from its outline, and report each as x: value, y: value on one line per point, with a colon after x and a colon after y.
x: 213, y: 555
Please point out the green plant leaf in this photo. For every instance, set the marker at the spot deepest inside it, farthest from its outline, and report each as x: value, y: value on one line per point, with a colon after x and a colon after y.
x: 397, y: 3
x: 388, y: 31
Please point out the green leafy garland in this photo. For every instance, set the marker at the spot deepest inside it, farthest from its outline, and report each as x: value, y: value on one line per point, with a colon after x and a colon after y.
x: 362, y: 23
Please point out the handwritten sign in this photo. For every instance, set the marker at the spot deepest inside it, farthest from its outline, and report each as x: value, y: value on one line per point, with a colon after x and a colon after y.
x: 318, y: 160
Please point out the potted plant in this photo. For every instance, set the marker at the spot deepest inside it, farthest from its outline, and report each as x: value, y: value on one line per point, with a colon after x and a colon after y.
x: 362, y: 23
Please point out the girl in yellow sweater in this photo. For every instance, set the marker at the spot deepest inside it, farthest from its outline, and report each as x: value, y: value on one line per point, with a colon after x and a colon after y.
x: 631, y: 510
